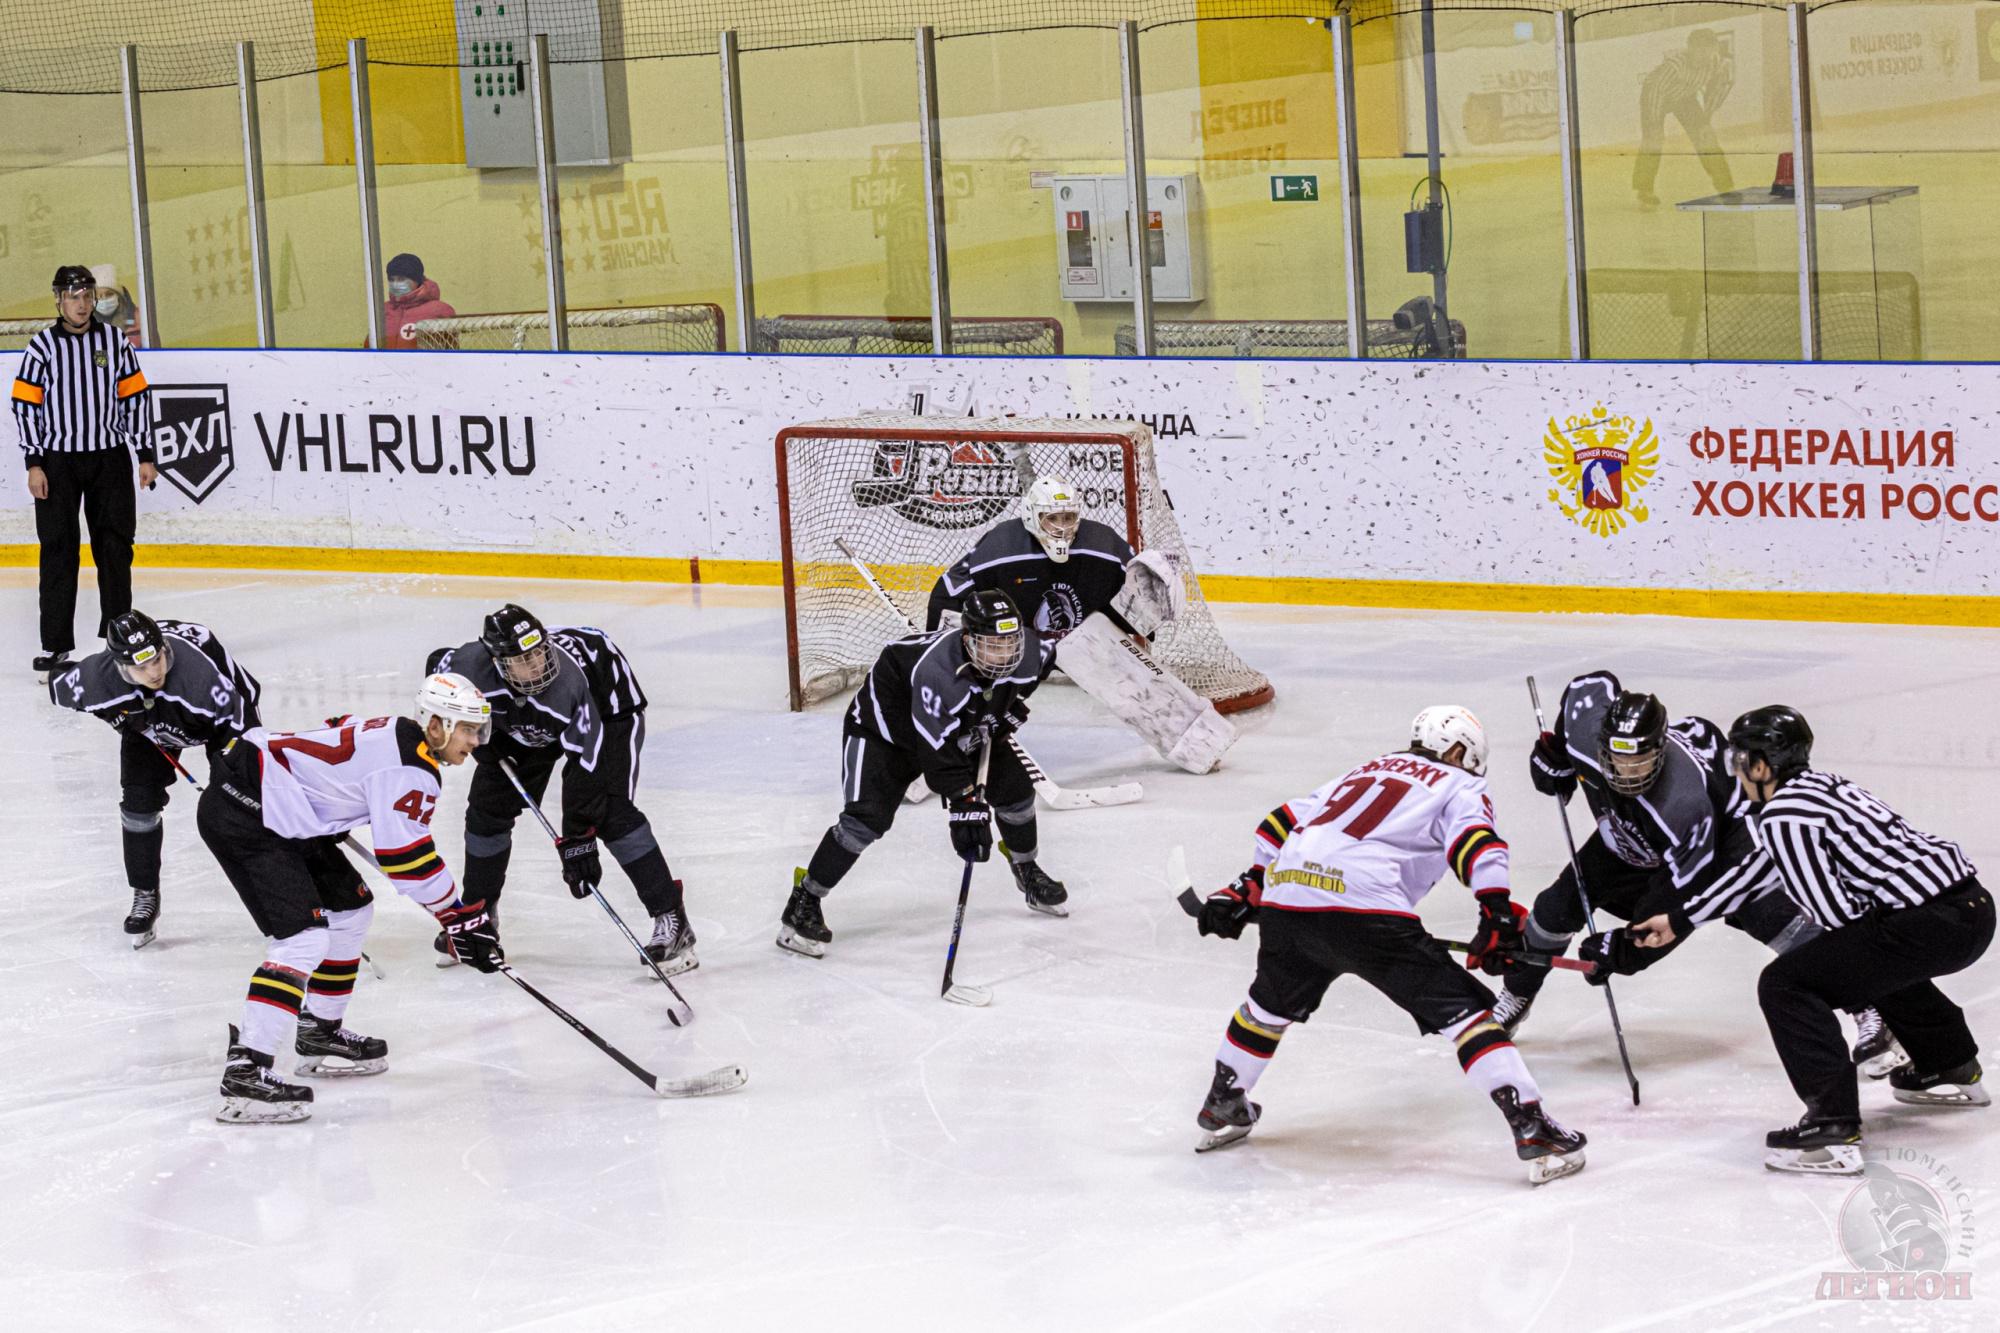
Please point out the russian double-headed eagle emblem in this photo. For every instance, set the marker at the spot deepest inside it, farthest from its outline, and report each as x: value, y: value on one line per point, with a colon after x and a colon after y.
x: 1600, y: 463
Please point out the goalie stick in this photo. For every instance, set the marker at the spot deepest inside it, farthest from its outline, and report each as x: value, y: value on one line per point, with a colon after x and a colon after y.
x: 1583, y: 896
x: 680, y: 1013
x: 1190, y: 901
x: 1055, y: 796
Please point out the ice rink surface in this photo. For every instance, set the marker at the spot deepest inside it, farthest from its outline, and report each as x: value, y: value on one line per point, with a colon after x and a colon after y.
x: 897, y: 1162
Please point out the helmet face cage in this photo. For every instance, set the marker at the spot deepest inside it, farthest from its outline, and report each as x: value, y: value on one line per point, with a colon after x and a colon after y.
x: 532, y: 670
x: 1050, y: 512
x: 1630, y: 763
x: 998, y: 653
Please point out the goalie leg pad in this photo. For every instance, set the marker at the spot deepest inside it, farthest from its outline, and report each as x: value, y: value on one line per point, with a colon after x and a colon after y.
x: 1173, y: 719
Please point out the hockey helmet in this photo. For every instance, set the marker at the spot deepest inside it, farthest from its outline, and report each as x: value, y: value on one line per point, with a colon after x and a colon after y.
x: 1633, y: 745
x: 1437, y: 729
x: 1049, y: 510
x: 994, y: 635
x: 455, y: 699
x: 1776, y: 734
x: 140, y: 649
x: 72, y: 278
x: 521, y: 649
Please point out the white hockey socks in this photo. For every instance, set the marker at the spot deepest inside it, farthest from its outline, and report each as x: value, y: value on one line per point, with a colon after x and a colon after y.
x: 1250, y: 1042
x: 278, y: 990
x: 1489, y: 1058
x: 333, y: 980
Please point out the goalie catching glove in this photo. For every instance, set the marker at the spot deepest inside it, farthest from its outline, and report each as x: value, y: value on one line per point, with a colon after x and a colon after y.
x: 1232, y: 907
x: 1501, y: 923
x: 468, y: 928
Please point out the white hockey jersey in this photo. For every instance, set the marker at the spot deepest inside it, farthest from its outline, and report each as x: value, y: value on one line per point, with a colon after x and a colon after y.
x: 1377, y: 839
x: 376, y: 772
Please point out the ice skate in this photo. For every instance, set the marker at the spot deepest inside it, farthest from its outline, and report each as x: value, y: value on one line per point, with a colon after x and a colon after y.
x: 144, y: 916
x: 253, y: 1095
x: 1511, y: 1010
x: 672, y: 946
x: 47, y: 664
x: 802, y: 929
x: 1550, y: 1151
x: 1876, y: 1050
x: 1227, y: 1114
x: 1958, y: 1086
x: 328, y: 1050
x: 1044, y: 894
x: 1816, y: 1146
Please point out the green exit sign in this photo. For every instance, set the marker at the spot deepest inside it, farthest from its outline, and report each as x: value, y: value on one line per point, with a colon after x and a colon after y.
x: 1295, y: 189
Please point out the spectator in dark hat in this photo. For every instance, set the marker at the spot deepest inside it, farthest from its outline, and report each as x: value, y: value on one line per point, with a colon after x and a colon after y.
x: 412, y: 297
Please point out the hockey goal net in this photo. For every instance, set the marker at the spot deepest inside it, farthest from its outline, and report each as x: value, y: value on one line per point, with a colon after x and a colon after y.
x: 908, y: 335
x: 1277, y: 338
x: 640, y: 328
x: 911, y: 494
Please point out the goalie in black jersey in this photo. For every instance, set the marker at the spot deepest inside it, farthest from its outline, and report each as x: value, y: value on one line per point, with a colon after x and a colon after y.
x: 565, y: 695
x: 1082, y: 588
x: 165, y: 686
x: 929, y: 705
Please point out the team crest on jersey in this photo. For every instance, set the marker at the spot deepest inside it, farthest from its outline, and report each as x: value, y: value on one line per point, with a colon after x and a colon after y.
x: 191, y: 434
x: 1600, y: 463
x: 947, y: 484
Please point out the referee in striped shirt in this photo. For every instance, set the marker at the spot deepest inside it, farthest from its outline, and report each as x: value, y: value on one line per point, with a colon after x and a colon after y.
x: 80, y: 403
x: 1898, y: 907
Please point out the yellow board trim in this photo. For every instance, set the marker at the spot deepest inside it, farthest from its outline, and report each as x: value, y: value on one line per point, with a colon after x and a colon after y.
x: 1397, y: 594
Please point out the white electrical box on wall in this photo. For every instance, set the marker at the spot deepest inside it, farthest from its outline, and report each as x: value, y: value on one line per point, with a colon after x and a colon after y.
x: 1095, y: 246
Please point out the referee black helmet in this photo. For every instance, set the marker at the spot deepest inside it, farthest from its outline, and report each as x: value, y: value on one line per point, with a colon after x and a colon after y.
x: 1776, y: 734
x: 70, y: 277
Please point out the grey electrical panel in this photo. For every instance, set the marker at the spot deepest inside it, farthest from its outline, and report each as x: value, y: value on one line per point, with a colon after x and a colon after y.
x: 589, y: 96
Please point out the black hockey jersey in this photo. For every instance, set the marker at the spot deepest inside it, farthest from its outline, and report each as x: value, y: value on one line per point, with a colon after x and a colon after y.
x: 563, y: 713
x: 925, y: 697
x: 613, y: 684
x: 1056, y: 596
x: 207, y: 698
x: 1692, y: 811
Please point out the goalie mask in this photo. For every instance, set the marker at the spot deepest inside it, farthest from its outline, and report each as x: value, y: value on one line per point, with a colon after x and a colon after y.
x: 1634, y: 743
x: 139, y: 649
x: 1049, y: 510
x: 993, y: 633
x: 1437, y: 729
x: 521, y: 649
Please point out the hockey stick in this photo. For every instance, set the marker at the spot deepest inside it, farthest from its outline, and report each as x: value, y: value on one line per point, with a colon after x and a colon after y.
x: 976, y: 996
x: 726, y: 1079
x: 347, y: 839
x: 680, y: 1013
x: 1583, y: 896
x: 1056, y: 797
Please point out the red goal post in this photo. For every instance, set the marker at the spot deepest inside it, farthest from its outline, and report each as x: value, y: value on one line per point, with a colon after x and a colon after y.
x: 912, y: 494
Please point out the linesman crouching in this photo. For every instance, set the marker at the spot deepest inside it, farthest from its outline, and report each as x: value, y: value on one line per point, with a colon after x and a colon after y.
x: 164, y: 686
x: 274, y: 805
x: 929, y: 705
x: 565, y: 695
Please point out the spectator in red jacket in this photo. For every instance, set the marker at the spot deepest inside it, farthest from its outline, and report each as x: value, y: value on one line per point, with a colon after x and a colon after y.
x: 412, y: 297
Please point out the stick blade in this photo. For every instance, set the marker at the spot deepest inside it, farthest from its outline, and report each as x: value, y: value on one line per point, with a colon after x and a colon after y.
x: 715, y: 1082
x: 680, y: 1014
x: 1177, y: 871
x: 1189, y: 902
x: 1088, y: 798
x: 973, y: 997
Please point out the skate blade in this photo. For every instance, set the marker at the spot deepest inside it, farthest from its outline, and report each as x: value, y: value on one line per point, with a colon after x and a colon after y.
x: 1555, y: 1166
x: 726, y: 1079
x: 673, y: 967
x: 324, y: 1066
x: 799, y: 944
x: 243, y: 1111
x: 1840, y: 1160
x: 1225, y: 1137
x: 445, y: 960
x: 973, y: 997
x: 1885, y: 1064
x: 1946, y: 1094
x: 1048, y: 909
x: 142, y: 939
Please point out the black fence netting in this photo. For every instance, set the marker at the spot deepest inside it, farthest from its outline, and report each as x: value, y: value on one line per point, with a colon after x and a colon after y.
x: 65, y: 46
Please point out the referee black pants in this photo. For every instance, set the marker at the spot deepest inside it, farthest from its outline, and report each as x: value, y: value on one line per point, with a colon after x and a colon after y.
x: 1886, y: 959
x: 99, y: 483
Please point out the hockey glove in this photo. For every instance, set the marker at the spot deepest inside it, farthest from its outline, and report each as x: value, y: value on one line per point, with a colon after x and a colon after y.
x: 474, y: 940
x: 580, y: 864
x: 1233, y: 906
x: 1551, y: 769
x: 131, y: 721
x: 1614, y: 952
x: 1014, y: 716
x: 1501, y: 923
x: 971, y: 826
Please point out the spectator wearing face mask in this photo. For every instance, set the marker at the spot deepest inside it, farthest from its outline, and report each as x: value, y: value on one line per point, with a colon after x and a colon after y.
x: 412, y: 297
x: 114, y: 305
